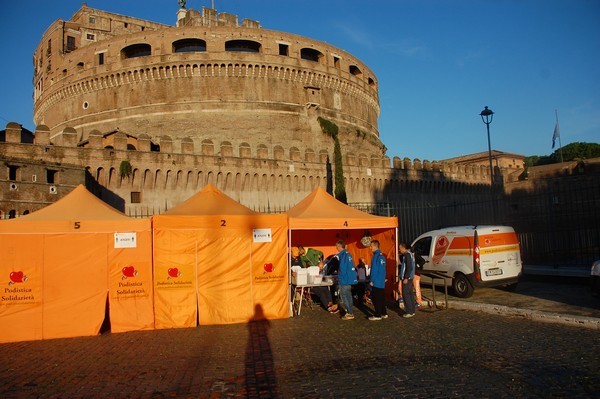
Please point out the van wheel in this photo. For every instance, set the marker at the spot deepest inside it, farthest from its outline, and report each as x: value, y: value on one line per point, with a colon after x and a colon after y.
x: 461, y: 285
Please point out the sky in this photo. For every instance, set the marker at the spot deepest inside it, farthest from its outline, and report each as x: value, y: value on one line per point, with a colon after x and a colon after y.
x: 437, y: 62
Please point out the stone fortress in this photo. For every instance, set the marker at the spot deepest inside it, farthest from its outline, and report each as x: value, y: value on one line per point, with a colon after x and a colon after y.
x: 147, y: 114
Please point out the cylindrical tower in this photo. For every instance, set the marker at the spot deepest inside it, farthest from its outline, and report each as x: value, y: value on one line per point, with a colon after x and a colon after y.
x: 208, y: 82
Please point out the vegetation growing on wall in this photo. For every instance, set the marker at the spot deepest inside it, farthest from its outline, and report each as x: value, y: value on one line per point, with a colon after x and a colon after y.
x: 125, y: 169
x: 331, y: 129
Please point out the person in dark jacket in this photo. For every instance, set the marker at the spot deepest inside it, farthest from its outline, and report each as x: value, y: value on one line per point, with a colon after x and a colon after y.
x: 377, y: 282
x: 347, y: 278
x: 406, y: 276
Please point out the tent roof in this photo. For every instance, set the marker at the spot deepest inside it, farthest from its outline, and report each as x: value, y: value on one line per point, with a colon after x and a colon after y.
x: 78, y: 212
x: 79, y: 204
x: 210, y: 201
x: 319, y: 210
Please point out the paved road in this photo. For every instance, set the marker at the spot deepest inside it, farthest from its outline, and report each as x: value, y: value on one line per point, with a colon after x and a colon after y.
x: 444, y: 354
x: 556, y: 294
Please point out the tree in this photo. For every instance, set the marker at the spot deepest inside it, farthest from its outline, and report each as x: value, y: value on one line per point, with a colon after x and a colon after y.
x: 571, y: 152
x: 578, y: 151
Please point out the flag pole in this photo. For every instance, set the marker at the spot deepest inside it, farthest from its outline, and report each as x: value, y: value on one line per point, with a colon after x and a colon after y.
x: 559, y: 142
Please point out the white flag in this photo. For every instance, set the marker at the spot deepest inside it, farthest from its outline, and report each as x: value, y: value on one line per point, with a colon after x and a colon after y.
x: 556, y: 133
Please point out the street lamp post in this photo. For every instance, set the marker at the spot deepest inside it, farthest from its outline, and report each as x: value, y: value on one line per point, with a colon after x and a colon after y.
x: 486, y: 116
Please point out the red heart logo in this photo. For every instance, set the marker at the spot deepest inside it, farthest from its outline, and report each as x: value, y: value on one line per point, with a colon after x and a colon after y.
x: 16, y: 277
x: 174, y: 272
x: 129, y: 271
x: 268, y: 267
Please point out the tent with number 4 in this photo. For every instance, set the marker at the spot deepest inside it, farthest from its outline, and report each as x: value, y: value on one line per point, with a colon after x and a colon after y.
x: 218, y: 262
x: 319, y: 221
x: 59, y: 264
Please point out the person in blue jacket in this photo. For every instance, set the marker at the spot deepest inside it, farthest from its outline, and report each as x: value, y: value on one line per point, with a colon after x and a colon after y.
x: 347, y: 278
x: 378, y: 270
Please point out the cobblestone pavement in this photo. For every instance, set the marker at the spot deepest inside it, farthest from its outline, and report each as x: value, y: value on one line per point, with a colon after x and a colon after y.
x: 444, y: 354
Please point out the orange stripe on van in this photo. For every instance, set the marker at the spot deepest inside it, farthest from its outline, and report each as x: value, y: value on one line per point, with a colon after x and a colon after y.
x: 493, y: 240
x: 461, y: 242
x: 493, y: 250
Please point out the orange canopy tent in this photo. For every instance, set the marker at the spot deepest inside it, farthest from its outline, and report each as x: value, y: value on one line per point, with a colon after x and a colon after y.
x: 218, y: 262
x: 58, y: 264
x: 319, y: 221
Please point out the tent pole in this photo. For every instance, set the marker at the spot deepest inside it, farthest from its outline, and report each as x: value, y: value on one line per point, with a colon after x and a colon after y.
x: 396, y: 258
x: 289, y: 258
x: 196, y: 283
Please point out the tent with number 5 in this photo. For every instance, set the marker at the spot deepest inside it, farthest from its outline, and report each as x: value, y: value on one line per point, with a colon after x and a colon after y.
x: 218, y: 262
x: 62, y: 265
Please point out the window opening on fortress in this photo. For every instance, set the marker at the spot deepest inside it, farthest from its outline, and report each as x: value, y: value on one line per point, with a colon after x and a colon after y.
x: 336, y: 62
x: 51, y: 176
x: 125, y: 25
x: 136, y: 197
x: 371, y: 82
x: 310, y: 54
x: 247, y: 46
x: 283, y: 49
x: 49, y: 51
x: 100, y: 58
x: 189, y: 45
x: 80, y: 65
x: 354, y: 70
x: 136, y: 50
x: 154, y: 147
x: 90, y: 36
x: 12, y: 172
x: 71, y: 43
x: 92, y: 20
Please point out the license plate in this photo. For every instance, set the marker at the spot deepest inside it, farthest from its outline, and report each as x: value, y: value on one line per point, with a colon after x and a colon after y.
x: 493, y: 272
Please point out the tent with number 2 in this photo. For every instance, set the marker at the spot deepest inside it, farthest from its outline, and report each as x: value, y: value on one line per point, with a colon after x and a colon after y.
x: 218, y: 262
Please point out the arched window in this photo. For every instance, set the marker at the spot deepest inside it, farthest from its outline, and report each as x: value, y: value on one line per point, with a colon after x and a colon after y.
x: 136, y: 50
x: 189, y: 45
x: 247, y: 46
x: 354, y: 70
x: 310, y: 54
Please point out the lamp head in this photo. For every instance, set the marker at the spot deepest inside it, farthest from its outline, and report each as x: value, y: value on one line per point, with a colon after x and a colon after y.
x: 487, y: 115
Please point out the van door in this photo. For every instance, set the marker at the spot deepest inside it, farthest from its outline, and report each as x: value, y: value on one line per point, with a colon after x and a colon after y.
x: 499, y: 256
x: 423, y: 247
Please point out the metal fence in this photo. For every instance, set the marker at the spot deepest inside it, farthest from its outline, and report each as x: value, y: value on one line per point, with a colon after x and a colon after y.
x: 557, y: 225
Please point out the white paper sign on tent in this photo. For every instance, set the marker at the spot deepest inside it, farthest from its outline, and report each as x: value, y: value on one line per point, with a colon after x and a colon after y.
x: 262, y: 235
x: 125, y: 240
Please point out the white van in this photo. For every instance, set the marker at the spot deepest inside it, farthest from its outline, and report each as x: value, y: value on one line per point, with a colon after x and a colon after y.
x: 473, y: 256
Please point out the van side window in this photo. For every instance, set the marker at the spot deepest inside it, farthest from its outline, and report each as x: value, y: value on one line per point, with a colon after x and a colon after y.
x: 423, y: 246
